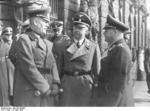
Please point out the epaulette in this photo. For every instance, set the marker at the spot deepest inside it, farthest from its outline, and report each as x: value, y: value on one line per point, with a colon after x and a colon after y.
x: 93, y: 41
x: 120, y: 45
x: 116, y: 45
x: 87, y: 45
x: 66, y: 37
x: 68, y: 42
x: 111, y: 47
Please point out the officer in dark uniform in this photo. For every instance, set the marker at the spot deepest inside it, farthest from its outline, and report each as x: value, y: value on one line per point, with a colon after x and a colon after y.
x: 114, y: 88
x: 36, y: 78
x: 57, y: 27
x: 78, y: 64
x: 147, y: 67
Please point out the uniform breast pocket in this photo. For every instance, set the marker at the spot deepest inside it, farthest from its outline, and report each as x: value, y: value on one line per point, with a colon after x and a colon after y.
x: 38, y: 54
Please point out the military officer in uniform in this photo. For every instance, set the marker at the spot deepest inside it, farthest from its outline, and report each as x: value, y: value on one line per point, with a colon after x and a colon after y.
x: 78, y: 64
x: 57, y: 27
x: 36, y: 78
x: 114, y: 88
x: 7, y: 38
x: 6, y: 68
x: 147, y: 67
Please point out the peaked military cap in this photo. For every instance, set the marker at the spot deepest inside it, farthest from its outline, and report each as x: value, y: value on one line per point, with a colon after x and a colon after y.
x: 56, y: 24
x: 7, y: 31
x: 127, y: 32
x: 81, y: 19
x: 114, y: 23
x: 36, y: 7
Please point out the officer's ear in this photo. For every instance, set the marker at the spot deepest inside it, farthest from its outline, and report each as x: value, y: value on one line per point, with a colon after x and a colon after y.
x: 86, y: 29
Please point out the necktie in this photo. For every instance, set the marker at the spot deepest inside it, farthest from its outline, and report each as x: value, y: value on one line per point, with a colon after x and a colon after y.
x: 78, y: 44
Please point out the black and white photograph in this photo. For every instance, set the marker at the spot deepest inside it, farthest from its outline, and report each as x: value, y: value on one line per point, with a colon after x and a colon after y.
x: 74, y: 53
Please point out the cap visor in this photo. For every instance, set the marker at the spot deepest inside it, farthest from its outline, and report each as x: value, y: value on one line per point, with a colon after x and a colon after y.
x: 80, y: 24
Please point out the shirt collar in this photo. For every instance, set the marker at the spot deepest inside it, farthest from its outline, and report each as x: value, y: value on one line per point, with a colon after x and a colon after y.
x: 80, y: 41
x: 111, y: 45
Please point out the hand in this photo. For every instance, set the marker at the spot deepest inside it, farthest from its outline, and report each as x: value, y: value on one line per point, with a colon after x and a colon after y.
x: 55, y: 89
x: 37, y: 93
x: 96, y: 85
x: 48, y: 92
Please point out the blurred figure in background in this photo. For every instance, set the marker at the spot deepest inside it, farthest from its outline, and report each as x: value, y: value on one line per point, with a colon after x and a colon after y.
x: 6, y: 68
x: 57, y: 27
x: 7, y: 35
x: 133, y: 71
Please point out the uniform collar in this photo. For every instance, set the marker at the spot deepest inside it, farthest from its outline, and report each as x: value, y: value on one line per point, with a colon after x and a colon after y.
x: 77, y: 52
x: 35, y: 37
x: 79, y: 41
x: 112, y: 45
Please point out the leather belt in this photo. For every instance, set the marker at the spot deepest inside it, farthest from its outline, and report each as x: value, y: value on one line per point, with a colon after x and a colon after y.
x: 76, y: 73
x: 44, y: 70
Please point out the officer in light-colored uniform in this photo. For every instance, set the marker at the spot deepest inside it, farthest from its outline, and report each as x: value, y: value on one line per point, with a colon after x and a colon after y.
x: 36, y: 78
x: 6, y: 68
x: 114, y: 87
x: 78, y: 64
x: 7, y: 38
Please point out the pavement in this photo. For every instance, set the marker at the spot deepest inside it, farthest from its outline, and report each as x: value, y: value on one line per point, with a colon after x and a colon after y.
x: 141, y: 97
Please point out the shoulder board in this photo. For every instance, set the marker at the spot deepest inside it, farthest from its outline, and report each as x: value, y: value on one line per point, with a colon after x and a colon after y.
x: 24, y: 35
x: 120, y: 45
x: 67, y: 42
x: 92, y: 41
x: 66, y: 37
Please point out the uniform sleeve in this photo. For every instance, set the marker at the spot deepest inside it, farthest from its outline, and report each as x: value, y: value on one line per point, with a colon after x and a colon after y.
x: 13, y: 53
x: 55, y: 73
x: 28, y: 67
x: 96, y: 63
x: 147, y: 65
x: 58, y: 54
x: 119, y: 66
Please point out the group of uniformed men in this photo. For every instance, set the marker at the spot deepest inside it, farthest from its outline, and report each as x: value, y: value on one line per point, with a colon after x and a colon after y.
x: 70, y: 71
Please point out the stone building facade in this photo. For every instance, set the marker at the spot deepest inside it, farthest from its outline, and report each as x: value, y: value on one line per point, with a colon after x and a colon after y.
x: 131, y: 12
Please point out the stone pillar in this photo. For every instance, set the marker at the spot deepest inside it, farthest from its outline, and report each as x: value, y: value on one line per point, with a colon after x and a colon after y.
x: 94, y: 16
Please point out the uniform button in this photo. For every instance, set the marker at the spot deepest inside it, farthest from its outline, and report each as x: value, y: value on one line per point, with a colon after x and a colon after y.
x: 76, y: 73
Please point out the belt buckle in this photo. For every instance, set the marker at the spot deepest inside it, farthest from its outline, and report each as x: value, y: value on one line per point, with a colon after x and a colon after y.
x: 76, y: 73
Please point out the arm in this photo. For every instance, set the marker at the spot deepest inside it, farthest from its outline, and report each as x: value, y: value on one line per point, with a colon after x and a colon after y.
x: 147, y: 65
x: 58, y: 54
x: 96, y: 64
x: 13, y: 53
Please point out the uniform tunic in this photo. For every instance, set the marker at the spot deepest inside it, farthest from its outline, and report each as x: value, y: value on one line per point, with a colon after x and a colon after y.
x: 72, y: 60
x: 114, y: 87
x: 36, y: 70
x: 6, y: 74
x: 147, y: 67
